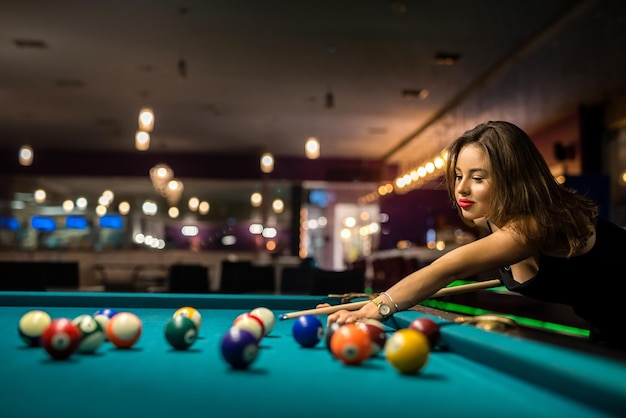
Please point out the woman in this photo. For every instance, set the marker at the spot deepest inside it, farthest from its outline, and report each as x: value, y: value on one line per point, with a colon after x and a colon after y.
x: 547, y: 241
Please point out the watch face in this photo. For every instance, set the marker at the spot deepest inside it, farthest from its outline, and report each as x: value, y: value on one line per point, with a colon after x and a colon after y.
x: 384, y: 309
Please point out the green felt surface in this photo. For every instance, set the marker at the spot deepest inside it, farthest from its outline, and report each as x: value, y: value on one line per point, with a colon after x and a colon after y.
x: 286, y: 380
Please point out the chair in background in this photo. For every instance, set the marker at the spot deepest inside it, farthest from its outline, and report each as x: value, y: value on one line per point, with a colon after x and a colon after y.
x: 341, y: 281
x: 259, y: 279
x: 188, y: 278
x: 297, y: 280
x: 21, y: 276
x: 233, y: 276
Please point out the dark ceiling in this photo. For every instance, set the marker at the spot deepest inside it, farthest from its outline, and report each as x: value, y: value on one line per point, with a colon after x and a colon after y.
x: 247, y: 76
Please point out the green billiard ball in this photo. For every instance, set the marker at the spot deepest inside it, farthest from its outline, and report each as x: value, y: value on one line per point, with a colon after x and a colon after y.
x: 180, y: 332
x: 93, y: 336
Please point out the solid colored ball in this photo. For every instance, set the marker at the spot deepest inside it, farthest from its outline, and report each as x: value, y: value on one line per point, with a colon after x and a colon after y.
x: 307, y: 330
x: 103, y: 316
x: 329, y: 333
x: 250, y: 323
x: 61, y: 338
x: 239, y: 347
x: 180, y: 332
x: 407, y: 350
x: 124, y: 329
x: 351, y: 344
x: 31, y: 325
x: 376, y: 331
x: 429, y: 327
x: 267, y: 316
x: 191, y: 313
x: 93, y: 336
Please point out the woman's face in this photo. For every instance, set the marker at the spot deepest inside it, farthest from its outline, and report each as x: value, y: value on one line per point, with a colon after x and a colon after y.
x: 472, y: 186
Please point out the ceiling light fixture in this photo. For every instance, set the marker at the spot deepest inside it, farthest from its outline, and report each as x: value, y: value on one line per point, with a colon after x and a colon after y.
x: 267, y: 162
x: 312, y: 148
x: 146, y: 119
x: 26, y: 155
x: 142, y: 141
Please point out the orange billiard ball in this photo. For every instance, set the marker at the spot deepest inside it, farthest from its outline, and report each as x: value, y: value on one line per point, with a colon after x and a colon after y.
x: 351, y: 344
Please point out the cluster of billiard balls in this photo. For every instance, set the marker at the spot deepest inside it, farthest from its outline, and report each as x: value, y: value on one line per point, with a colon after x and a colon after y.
x: 407, y: 350
x: 240, y: 344
x: 62, y: 337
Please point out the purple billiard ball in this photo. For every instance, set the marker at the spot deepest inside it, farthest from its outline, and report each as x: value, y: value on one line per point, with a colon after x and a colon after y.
x: 308, y: 330
x: 239, y: 347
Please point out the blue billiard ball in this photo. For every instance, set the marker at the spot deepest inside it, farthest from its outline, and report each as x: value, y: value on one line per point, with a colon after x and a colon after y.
x: 308, y: 330
x: 239, y: 347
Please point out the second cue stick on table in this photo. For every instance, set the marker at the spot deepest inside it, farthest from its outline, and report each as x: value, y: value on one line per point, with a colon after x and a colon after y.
x: 353, y: 306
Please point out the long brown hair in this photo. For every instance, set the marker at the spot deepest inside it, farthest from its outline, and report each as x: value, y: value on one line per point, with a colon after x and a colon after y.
x: 525, y: 194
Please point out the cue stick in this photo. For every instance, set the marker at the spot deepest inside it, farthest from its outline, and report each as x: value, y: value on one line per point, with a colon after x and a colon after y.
x: 353, y: 306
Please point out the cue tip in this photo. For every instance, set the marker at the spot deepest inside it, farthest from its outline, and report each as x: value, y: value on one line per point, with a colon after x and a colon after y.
x: 283, y: 317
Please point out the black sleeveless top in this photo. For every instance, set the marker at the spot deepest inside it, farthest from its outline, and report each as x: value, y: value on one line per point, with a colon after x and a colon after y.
x: 588, y: 283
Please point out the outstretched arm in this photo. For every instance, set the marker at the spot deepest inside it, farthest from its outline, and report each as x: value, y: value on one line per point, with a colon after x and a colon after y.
x: 498, y: 249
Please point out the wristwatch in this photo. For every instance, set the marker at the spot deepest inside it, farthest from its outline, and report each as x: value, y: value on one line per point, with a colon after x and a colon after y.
x: 383, y: 308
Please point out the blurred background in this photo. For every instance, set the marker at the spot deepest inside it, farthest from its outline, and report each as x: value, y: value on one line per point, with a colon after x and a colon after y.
x: 152, y: 133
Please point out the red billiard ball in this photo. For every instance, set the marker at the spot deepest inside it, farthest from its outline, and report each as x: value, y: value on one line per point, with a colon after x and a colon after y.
x: 307, y: 330
x: 61, y: 338
x: 31, y: 325
x: 407, y: 350
x: 180, y: 332
x: 124, y: 329
x: 351, y: 344
x: 251, y: 323
x: 376, y: 331
x: 239, y: 347
x: 429, y: 327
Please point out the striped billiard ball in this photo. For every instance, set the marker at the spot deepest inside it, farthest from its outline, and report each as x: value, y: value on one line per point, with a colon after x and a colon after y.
x: 93, y: 336
x: 124, y: 329
x: 191, y: 313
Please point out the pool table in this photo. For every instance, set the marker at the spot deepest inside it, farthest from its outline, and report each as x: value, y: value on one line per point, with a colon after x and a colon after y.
x: 478, y: 373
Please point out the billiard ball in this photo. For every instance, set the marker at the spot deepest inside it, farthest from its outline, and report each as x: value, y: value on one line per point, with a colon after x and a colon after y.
x: 267, y: 316
x: 407, y: 350
x: 103, y: 316
x: 239, y: 347
x: 124, y: 329
x: 351, y: 344
x: 93, y: 335
x: 376, y: 331
x: 307, y: 330
x: 61, y: 338
x: 31, y: 325
x: 330, y: 330
x: 251, y: 323
x: 429, y: 327
x: 180, y: 332
x: 191, y: 313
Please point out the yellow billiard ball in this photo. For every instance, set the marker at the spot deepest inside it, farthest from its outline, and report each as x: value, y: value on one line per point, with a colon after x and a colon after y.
x: 407, y: 350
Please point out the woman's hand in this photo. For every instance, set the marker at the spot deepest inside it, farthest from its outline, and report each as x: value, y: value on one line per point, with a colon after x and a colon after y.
x: 369, y: 310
